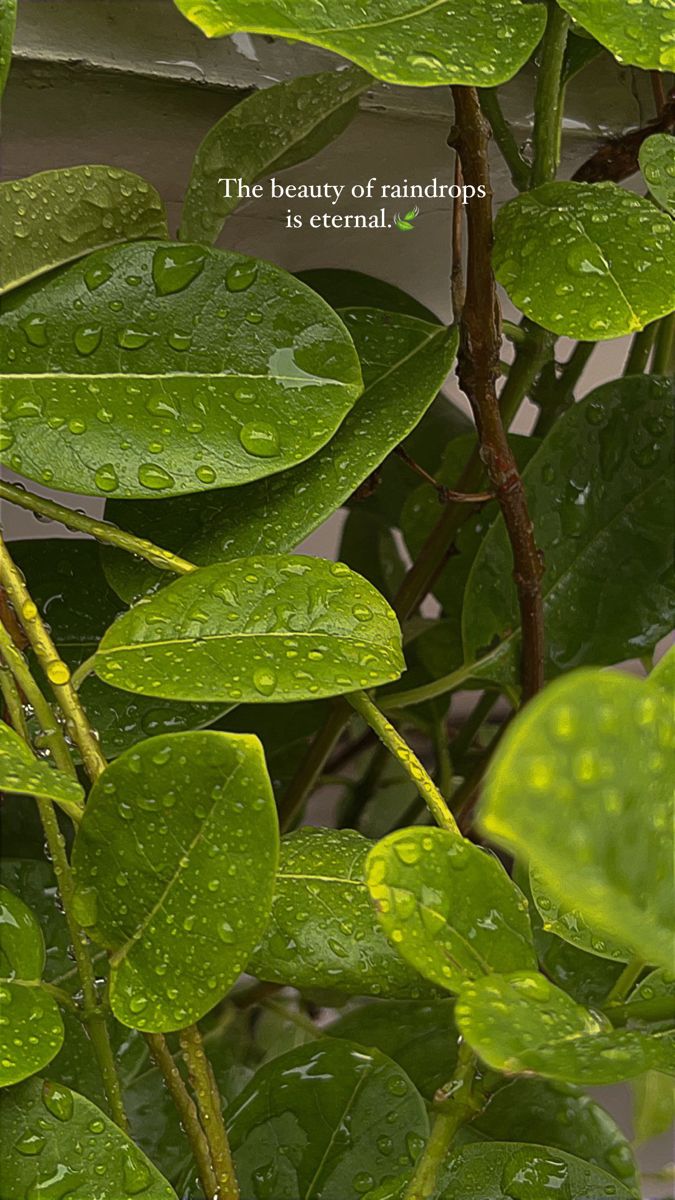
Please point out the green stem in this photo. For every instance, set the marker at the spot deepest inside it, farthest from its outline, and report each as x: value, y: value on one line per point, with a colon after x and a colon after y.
x: 626, y: 981
x: 640, y: 350
x: 663, y: 362
x: 103, y: 531
x: 186, y: 1109
x: 53, y: 737
x: 549, y: 97
x: 438, y: 687
x: 502, y: 133
x: 401, y: 751
x: 562, y: 394
x: 449, y: 1120
x: 210, y: 1111
x: 477, y: 717
x: 12, y: 699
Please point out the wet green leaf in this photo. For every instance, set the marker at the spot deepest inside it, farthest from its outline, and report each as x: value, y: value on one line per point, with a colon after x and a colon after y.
x: 7, y: 23
x: 155, y: 369
x: 323, y: 931
x: 55, y: 1139
x: 518, y: 1171
x: 88, y: 208
x: 653, y: 1105
x: 31, y: 1030
x: 570, y: 924
x: 461, y: 41
x: 599, y: 491
x: 404, y: 362
x: 663, y: 674
x: 35, y: 882
x: 274, y: 628
x: 657, y: 163
x: 589, y: 261
x: 325, y: 1122
x: 23, y: 773
x: 636, y: 34
x: 352, y: 289
x: 272, y: 129
x: 285, y: 730
x: 421, y: 1038
x: 179, y: 837
x: 581, y: 786
x: 447, y: 906
x: 651, y: 1007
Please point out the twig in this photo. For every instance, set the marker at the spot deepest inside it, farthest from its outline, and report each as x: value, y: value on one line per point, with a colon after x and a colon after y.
x: 451, y: 1115
x: 457, y: 270
x: 640, y: 350
x: 210, y: 1111
x: 445, y: 494
x: 186, y: 1109
x: 501, y: 131
x: 549, y: 96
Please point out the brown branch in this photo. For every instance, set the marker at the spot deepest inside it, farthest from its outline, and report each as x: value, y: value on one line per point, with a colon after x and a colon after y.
x: 617, y: 158
x: 480, y: 343
x: 457, y: 272
x: 445, y: 494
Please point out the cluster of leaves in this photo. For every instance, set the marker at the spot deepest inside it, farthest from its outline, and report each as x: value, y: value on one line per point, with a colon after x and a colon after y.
x: 224, y: 408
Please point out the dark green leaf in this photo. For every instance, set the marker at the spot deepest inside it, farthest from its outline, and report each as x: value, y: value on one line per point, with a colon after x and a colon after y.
x: 272, y: 129
x: 657, y: 163
x: 325, y: 1122
x: 23, y: 773
x: 637, y: 34
x: 57, y: 1143
x: 7, y: 23
x: 457, y: 42
x: 274, y: 628
x: 352, y: 289
x: 31, y: 1030
x: 157, y: 369
x: 35, y: 882
x: 88, y: 208
x: 518, y: 1171
x: 589, y: 261
x: 323, y: 931
x: 448, y: 907
x: 421, y: 1038
x: 179, y: 837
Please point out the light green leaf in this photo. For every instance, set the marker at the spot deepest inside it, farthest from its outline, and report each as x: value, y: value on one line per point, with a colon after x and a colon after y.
x: 31, y: 1031
x: 7, y: 24
x: 179, y: 838
x: 156, y: 369
x: 570, y: 924
x: 404, y: 362
x: 56, y: 1139
x: 651, y: 1007
x: 653, y: 1105
x: 421, y: 1038
x: 504, y: 1170
x: 324, y: 1122
x: 323, y: 932
x: 447, y: 906
x: 521, y: 1023
x: 272, y: 129
x: 459, y: 41
x: 599, y: 492
x: 581, y: 786
x: 22, y: 772
x: 663, y: 674
x: 274, y: 628
x: 589, y: 261
x: 657, y: 163
x: 637, y: 34
x: 88, y: 208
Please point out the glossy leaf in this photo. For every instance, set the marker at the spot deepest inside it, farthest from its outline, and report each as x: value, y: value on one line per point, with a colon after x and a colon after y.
x: 285, y: 730
x: 404, y: 362
x: 589, y: 261
x: 7, y: 24
x: 508, y: 1170
x: 521, y: 1023
x: 31, y: 1030
x: 599, y: 491
x: 35, y: 882
x: 581, y: 785
x: 272, y: 129
x: 570, y: 924
x: 88, y: 208
x: 421, y: 1038
x: 323, y: 932
x: 199, y: 808
x: 448, y: 907
x: 325, y: 1122
x: 651, y: 1007
x: 342, y: 288
x: 157, y: 369
x: 657, y: 163
x: 458, y: 42
x: 637, y: 34
x: 55, y: 1139
x: 22, y: 772
x: 270, y: 629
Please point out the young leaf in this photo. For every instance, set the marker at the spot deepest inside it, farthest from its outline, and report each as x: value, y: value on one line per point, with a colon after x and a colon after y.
x: 272, y: 129
x: 581, y: 786
x: 323, y: 932
x: 448, y: 907
x: 179, y: 837
x: 589, y: 261
x: 421, y: 1038
x: 156, y: 369
x: 55, y: 1138
x: 31, y: 1031
x: 7, y: 24
x: 638, y: 35
x: 88, y: 207
x: 600, y: 482
x: 325, y: 1122
x: 570, y: 924
x: 22, y: 772
x: 657, y: 163
x: 456, y: 42
x: 274, y: 628
x: 504, y: 1170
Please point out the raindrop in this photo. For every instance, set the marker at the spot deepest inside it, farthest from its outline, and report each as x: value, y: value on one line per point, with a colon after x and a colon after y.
x: 152, y: 476
x: 241, y: 275
x: 260, y: 440
x: 175, y: 267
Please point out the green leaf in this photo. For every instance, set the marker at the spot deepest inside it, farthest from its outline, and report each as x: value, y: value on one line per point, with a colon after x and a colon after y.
x: 421, y: 1038
x: 448, y: 907
x: 323, y: 932
x: 654, y: 1105
x: 157, y: 369
x: 325, y: 1122
x: 179, y: 837
x: 504, y: 1170
x: 589, y: 261
x: 521, y: 1023
x: 31, y: 1031
x: 581, y: 786
x: 352, y: 289
x: 7, y: 24
x: 35, y: 882
x: 274, y: 628
x: 22, y: 772
x: 88, y: 207
x: 272, y: 129
x: 657, y: 163
x: 404, y: 362
x: 663, y: 674
x: 459, y: 41
x: 569, y: 924
x: 55, y: 1139
x: 599, y: 491
x: 285, y: 730
x: 640, y: 35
